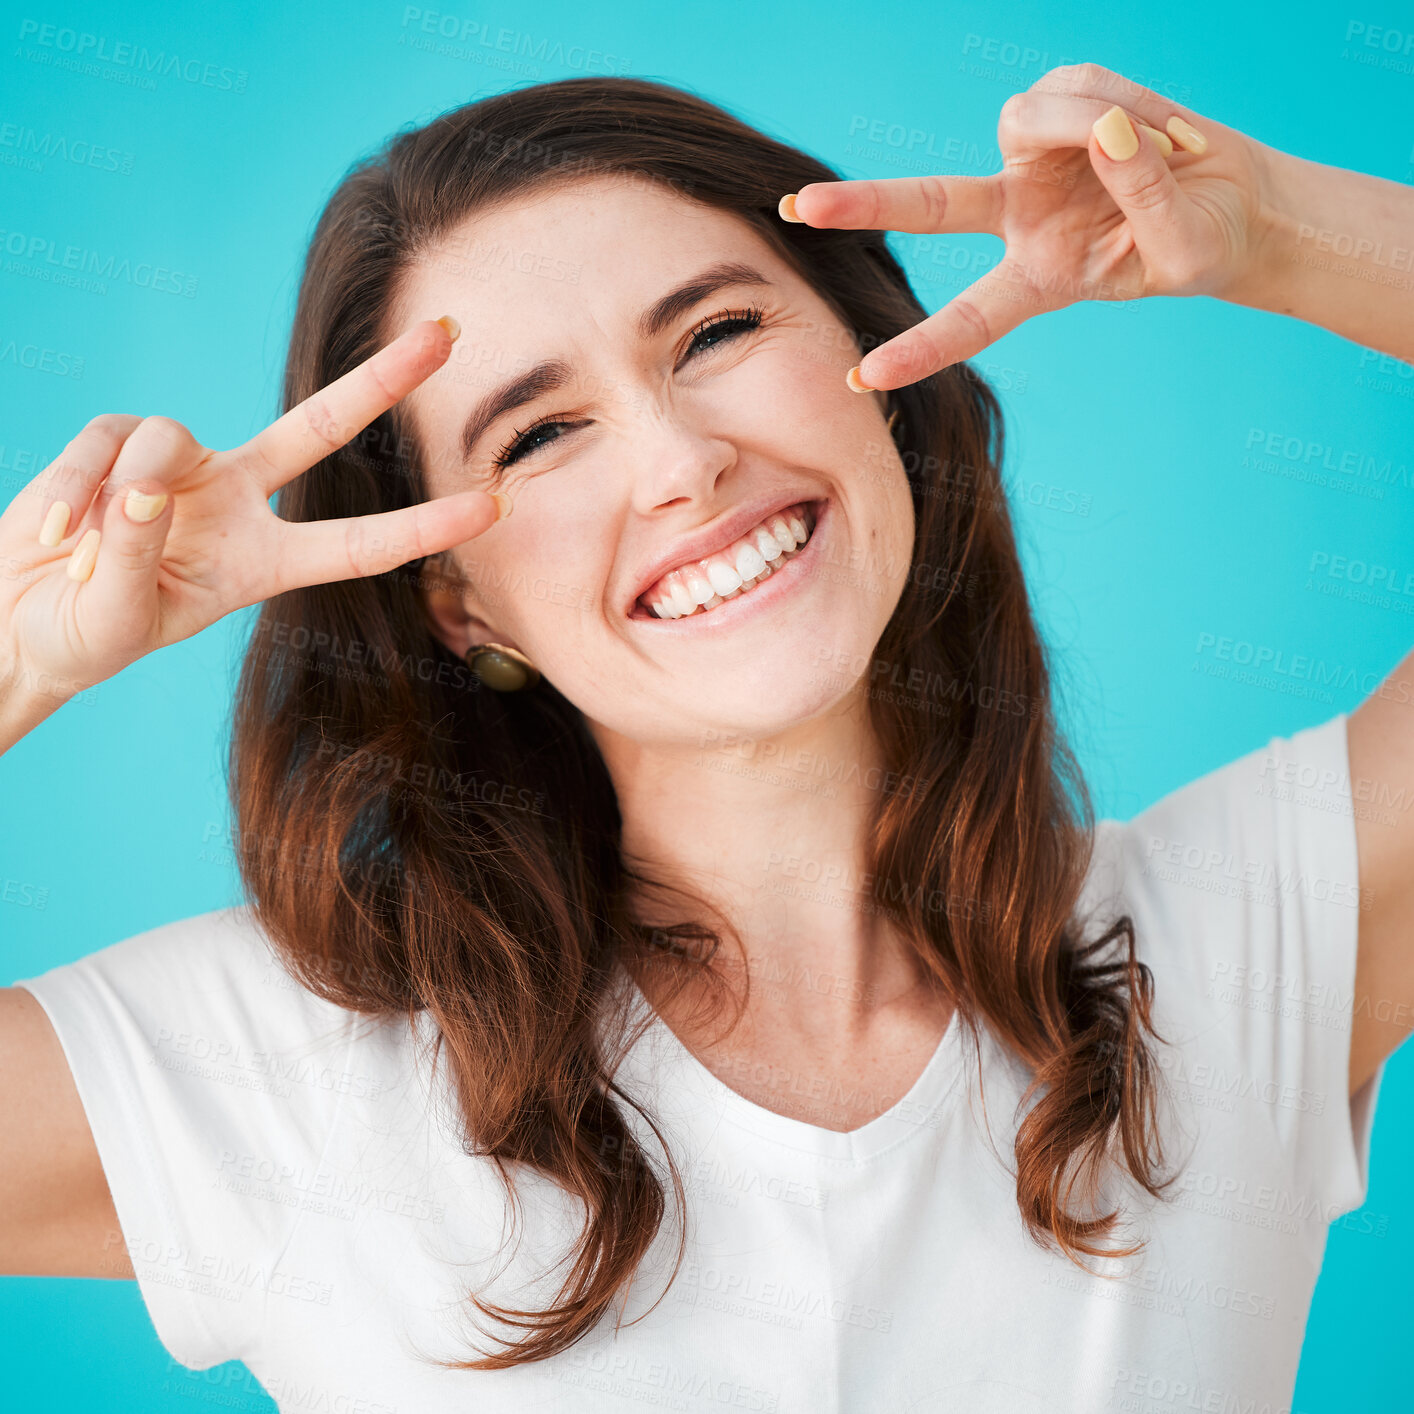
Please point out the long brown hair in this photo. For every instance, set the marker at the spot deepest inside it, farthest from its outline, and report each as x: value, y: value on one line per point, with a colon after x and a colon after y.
x: 458, y: 850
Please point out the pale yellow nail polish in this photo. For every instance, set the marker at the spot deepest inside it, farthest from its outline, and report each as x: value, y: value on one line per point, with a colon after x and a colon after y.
x: 786, y: 209
x: 1161, y: 140
x: 56, y: 522
x: 1186, y: 135
x: 856, y: 382
x: 503, y: 502
x: 1116, y: 135
x: 142, y: 507
x: 453, y: 329
x: 83, y: 556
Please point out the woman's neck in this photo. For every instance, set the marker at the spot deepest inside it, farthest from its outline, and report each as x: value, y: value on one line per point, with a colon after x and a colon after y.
x: 774, y: 833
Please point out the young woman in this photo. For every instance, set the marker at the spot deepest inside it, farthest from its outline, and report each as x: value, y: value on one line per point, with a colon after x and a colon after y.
x: 681, y: 965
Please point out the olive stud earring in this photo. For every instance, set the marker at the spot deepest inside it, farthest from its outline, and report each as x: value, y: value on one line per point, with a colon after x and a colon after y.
x: 501, y: 668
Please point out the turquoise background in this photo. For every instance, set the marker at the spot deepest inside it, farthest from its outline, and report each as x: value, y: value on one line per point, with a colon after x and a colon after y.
x: 1129, y: 425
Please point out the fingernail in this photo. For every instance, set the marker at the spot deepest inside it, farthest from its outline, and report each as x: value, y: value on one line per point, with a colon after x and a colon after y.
x: 504, y: 502
x: 451, y: 326
x: 1161, y: 140
x: 83, y: 556
x: 856, y: 382
x: 1186, y: 135
x: 786, y: 208
x: 1115, y: 134
x: 56, y: 522
x: 141, y: 507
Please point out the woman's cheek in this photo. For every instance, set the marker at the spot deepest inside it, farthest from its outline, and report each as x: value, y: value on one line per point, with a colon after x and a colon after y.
x: 559, y: 576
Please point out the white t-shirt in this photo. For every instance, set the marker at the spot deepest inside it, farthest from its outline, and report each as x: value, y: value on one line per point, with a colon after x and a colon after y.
x: 292, y: 1191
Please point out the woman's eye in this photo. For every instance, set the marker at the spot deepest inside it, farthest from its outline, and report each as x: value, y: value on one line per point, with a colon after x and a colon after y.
x: 712, y: 331
x: 722, y: 327
x: 528, y: 441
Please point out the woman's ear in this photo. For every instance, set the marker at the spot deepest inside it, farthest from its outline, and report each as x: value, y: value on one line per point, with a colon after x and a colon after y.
x: 448, y: 605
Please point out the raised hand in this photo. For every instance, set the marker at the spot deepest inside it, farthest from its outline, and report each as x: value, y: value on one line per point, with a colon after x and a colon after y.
x: 138, y: 536
x: 1172, y: 203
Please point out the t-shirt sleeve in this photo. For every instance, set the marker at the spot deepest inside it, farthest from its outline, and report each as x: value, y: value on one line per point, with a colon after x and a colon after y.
x: 201, y: 1065
x: 1246, y: 883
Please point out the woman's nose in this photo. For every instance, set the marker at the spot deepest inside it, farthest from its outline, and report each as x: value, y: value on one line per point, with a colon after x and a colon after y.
x: 677, y: 459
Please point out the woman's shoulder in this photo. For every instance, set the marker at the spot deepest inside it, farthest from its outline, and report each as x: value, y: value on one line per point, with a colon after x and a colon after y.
x: 220, y: 956
x: 1266, y: 840
x: 212, y: 991
x: 215, y: 1086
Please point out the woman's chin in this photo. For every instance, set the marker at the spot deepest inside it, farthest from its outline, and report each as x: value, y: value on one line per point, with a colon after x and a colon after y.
x: 772, y: 703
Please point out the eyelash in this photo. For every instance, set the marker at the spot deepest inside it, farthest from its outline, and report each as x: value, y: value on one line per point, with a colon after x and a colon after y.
x: 741, y: 320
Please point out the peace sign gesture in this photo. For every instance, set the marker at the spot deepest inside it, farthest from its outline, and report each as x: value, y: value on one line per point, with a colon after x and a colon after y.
x: 1107, y: 191
x: 138, y: 536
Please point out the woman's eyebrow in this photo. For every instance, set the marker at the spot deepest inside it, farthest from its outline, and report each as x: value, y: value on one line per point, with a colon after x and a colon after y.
x: 545, y: 377
x: 678, y: 301
x: 552, y: 374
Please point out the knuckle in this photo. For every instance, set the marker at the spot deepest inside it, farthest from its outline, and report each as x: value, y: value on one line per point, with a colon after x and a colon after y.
x: 138, y: 554
x: 974, y: 320
x: 164, y: 431
x: 1055, y: 80
x: 1015, y: 111
x: 319, y: 418
x: 377, y: 375
x: 356, y: 549
x: 1150, y: 191
x: 1091, y: 75
x: 935, y: 201
x: 108, y: 424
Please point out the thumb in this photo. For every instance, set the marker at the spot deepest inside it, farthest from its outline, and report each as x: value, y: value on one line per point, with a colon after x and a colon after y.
x: 118, y: 601
x: 1166, y: 225
x: 119, y: 597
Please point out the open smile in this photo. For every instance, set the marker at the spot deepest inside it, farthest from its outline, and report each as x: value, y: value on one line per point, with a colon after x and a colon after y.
x: 756, y: 569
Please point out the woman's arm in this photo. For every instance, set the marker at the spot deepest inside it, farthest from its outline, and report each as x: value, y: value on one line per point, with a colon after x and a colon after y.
x: 135, y: 537
x: 1339, y: 252
x: 59, y: 1219
x: 1110, y: 191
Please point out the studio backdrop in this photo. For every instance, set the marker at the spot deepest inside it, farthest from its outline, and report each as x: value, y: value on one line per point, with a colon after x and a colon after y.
x: 1215, y: 504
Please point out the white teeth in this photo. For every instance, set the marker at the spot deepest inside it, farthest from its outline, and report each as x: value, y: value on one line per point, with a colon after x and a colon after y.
x: 698, y: 585
x: 749, y: 562
x: 767, y: 544
x: 724, y: 578
x: 785, y: 537
x: 683, y: 602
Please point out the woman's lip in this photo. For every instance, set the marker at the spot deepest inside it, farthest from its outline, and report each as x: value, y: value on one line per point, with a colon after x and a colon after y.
x: 763, y: 595
x: 804, y: 508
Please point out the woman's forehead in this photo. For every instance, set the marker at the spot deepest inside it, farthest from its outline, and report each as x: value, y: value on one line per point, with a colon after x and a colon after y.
x: 577, y: 249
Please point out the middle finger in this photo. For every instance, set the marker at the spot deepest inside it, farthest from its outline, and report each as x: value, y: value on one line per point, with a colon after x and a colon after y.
x: 321, y: 424
x: 1033, y: 123
x: 932, y: 204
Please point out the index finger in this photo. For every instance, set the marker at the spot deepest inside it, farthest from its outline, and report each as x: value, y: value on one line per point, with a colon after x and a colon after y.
x: 324, y: 422
x: 930, y: 204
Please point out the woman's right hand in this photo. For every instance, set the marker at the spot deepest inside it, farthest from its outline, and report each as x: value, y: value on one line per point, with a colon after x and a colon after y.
x: 107, y: 585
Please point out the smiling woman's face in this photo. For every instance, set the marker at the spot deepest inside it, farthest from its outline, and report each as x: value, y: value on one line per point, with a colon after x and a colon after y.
x: 703, y: 439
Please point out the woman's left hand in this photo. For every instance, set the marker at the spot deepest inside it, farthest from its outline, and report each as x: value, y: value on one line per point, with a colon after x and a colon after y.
x: 1077, y: 224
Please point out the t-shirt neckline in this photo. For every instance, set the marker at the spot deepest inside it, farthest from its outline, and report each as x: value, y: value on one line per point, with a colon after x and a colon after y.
x: 919, y: 1108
